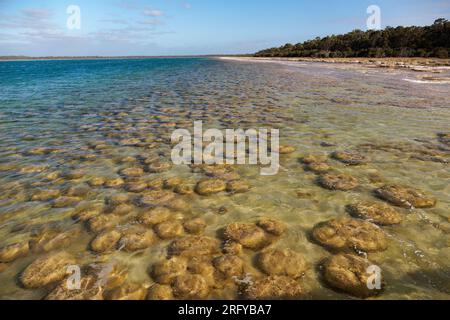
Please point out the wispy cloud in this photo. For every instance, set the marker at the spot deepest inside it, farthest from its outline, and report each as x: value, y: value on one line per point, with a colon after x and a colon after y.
x: 153, y: 13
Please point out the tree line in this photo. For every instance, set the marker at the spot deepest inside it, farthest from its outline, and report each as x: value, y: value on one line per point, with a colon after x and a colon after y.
x: 427, y: 41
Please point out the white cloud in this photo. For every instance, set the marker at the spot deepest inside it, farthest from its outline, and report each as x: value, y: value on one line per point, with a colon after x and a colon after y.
x: 153, y: 13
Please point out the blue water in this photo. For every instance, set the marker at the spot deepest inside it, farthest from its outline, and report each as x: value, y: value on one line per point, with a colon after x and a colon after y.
x: 59, y: 117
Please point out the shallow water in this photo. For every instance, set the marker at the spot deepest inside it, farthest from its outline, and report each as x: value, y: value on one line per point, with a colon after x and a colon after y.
x: 81, y: 111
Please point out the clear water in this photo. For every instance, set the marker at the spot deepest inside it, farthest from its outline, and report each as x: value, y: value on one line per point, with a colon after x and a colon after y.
x: 71, y: 105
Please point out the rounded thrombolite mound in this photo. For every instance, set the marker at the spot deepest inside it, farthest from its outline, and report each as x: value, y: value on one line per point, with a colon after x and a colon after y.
x: 165, y: 271
x: 136, y: 186
x: 103, y: 222
x: 183, y: 189
x: 117, y: 199
x: 238, y: 186
x: 194, y: 246
x: 273, y: 288
x: 65, y: 201
x: 229, y: 265
x: 160, y: 292
x: 109, y: 275
x: 169, y: 229
x: 96, y: 182
x: 313, y: 159
x: 282, y: 262
x: 195, y: 226
x: 46, y: 270
x: 158, y: 166
x: 156, y: 197
x: 405, y: 197
x: 89, y: 290
x: 45, y: 195
x: 85, y: 213
x: 232, y: 247
x: 127, y: 291
x: 375, y: 212
x: 203, y: 267
x: 51, y: 239
x: 348, y: 273
x: 341, y: 182
x: 121, y: 209
x: 173, y: 182
x: 132, y: 172
x: 136, y: 239
x: 285, y: 149
x: 210, y: 186
x: 114, y: 182
x: 190, y: 286
x: 247, y: 234
x: 346, y: 234
x: 350, y: 158
x: 318, y: 167
x: 155, y: 216
x: 105, y: 241
x: 14, y: 251
x: 272, y: 226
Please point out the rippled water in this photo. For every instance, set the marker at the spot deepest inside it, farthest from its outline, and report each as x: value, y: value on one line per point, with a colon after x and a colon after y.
x: 65, y: 122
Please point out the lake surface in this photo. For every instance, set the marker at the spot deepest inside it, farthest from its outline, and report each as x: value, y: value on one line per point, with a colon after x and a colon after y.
x: 64, y: 123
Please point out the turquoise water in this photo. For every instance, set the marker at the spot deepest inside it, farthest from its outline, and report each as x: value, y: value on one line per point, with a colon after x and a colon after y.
x: 58, y: 118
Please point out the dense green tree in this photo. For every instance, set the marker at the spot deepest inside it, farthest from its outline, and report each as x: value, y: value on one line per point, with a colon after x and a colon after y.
x: 428, y: 41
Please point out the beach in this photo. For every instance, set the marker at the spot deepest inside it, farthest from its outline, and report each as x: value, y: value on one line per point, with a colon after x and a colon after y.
x: 86, y: 179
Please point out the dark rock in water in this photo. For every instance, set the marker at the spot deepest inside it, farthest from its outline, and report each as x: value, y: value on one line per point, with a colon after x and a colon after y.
x: 348, y: 273
x: 430, y: 158
x: 273, y: 288
x: 405, y: 197
x: 346, y: 234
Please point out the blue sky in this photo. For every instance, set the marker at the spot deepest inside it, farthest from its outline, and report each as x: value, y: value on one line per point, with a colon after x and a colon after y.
x: 185, y: 27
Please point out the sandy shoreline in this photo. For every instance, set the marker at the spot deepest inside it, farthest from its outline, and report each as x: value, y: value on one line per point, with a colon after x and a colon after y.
x: 428, y: 70
x: 374, y: 62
